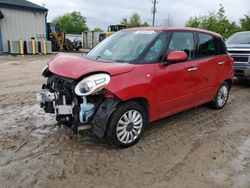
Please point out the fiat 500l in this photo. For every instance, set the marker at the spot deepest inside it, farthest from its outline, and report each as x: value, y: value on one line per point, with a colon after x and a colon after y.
x: 134, y: 77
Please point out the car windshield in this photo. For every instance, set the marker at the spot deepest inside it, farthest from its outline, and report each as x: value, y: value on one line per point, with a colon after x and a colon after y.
x: 123, y: 46
x: 239, y: 38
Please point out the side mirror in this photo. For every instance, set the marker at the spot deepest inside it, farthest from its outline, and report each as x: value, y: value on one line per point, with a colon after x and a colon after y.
x: 175, y: 57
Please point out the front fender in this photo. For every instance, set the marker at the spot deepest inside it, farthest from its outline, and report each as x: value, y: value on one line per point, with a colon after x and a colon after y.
x: 138, y: 83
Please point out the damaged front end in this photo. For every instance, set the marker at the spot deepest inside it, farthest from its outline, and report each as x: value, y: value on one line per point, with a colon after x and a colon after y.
x: 78, y: 104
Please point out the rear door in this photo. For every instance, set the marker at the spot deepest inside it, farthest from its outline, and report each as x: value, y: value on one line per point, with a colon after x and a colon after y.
x: 211, y: 65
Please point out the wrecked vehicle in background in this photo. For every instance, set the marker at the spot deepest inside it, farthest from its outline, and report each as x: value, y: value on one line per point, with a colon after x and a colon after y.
x: 238, y: 46
x: 137, y: 76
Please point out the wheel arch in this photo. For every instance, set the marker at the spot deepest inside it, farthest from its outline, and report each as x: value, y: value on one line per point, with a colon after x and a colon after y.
x: 229, y: 81
x: 144, y: 103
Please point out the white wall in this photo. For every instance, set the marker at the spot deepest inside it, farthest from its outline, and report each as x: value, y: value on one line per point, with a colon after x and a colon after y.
x: 21, y: 24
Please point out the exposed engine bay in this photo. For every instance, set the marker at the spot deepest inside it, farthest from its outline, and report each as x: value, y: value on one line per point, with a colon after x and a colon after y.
x: 78, y: 103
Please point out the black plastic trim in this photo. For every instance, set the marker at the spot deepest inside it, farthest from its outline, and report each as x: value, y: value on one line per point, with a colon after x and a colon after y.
x: 102, y: 115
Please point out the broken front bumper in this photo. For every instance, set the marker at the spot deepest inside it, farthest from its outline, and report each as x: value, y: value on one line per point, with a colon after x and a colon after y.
x: 47, y: 101
x: 79, y: 116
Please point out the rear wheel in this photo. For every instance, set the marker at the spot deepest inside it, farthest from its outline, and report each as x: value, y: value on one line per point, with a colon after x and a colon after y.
x: 221, y: 97
x: 126, y: 124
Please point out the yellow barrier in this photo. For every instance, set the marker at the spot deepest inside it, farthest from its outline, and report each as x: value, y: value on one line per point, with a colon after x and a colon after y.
x: 33, y: 46
x: 44, y: 47
x: 21, y: 47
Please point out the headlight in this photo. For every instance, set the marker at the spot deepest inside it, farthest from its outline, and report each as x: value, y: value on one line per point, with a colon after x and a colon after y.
x: 92, y: 84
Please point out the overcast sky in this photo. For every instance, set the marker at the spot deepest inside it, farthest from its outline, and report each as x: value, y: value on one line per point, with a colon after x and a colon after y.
x: 101, y: 13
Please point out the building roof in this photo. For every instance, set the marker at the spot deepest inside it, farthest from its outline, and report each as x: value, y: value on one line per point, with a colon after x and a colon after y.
x: 22, y: 4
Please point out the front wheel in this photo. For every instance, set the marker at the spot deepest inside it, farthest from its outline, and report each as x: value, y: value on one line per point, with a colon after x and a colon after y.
x: 126, y: 124
x: 221, y: 97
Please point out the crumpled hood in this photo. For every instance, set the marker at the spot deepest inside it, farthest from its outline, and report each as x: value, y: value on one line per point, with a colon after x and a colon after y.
x: 72, y: 66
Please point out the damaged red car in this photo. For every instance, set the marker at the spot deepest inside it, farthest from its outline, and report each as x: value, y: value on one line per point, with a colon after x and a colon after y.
x: 134, y: 77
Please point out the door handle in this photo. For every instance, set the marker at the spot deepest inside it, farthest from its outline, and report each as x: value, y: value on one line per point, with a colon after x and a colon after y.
x: 193, y: 69
x: 221, y: 63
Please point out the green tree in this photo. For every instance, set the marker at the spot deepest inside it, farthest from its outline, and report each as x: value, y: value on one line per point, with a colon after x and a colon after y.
x: 124, y: 21
x: 97, y: 29
x: 194, y: 21
x: 73, y: 23
x: 214, y: 21
x: 245, y: 23
x: 145, y: 24
x: 134, y: 21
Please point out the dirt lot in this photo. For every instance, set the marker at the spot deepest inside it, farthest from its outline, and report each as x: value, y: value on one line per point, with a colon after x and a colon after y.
x: 197, y: 148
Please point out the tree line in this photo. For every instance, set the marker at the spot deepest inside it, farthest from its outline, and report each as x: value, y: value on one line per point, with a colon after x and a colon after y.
x: 216, y: 21
x: 75, y: 23
x: 219, y: 23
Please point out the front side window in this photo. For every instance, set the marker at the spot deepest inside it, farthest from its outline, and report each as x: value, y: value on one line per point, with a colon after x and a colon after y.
x: 123, y: 46
x: 183, y: 41
x: 208, y: 45
x: 155, y: 50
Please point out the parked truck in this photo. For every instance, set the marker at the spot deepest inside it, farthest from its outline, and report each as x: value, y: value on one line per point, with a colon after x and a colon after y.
x: 238, y: 46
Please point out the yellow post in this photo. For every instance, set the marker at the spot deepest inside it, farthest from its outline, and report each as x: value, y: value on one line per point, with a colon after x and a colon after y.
x: 44, y: 47
x: 21, y: 46
x: 33, y: 46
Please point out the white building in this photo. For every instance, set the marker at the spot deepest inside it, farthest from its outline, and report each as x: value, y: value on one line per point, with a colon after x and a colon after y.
x: 21, y: 19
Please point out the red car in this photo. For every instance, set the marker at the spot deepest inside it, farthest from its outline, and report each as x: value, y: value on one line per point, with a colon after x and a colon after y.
x: 137, y: 76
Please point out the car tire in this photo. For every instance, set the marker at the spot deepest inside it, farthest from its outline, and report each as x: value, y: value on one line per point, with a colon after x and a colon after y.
x: 221, y: 96
x: 126, y: 124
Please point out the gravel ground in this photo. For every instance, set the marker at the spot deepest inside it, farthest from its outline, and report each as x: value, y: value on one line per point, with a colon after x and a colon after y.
x: 200, y: 147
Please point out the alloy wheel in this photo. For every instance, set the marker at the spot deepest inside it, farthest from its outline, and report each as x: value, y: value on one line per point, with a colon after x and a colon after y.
x: 129, y: 126
x: 222, y: 95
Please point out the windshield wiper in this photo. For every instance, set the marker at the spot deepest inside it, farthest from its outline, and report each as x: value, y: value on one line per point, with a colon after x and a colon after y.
x: 98, y: 57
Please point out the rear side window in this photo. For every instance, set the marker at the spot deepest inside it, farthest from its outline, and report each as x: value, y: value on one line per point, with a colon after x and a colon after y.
x: 183, y: 41
x: 208, y: 45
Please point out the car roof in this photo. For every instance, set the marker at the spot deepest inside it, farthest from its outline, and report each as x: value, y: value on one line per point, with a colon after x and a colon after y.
x: 173, y: 29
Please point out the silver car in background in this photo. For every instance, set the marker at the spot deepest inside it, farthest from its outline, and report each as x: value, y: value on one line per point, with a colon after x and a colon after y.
x: 238, y: 46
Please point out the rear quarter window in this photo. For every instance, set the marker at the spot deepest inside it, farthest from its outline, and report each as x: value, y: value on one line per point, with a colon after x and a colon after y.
x: 222, y: 46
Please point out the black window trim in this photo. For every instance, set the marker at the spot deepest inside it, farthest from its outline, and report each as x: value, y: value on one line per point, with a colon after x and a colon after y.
x: 221, y: 42
x: 164, y: 53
